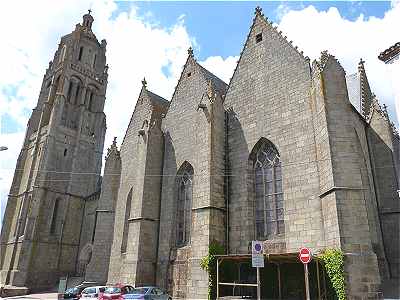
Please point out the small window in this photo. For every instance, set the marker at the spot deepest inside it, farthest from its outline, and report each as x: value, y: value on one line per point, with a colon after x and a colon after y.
x: 69, y: 91
x: 94, y: 60
x: 189, y: 74
x: 78, y: 90
x: 80, y: 53
x: 55, y: 217
x: 65, y: 152
x: 258, y: 37
x: 90, y: 106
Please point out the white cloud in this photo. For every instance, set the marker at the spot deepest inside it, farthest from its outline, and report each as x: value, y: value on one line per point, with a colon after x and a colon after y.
x: 314, y: 31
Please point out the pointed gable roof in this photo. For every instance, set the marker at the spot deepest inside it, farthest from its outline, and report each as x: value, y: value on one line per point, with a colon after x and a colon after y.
x: 259, y: 16
x: 156, y: 101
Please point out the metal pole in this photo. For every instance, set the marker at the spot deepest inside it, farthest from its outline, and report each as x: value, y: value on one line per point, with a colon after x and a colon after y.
x: 217, y: 279
x: 279, y: 281
x: 258, y: 284
x: 319, y: 285
x: 306, y: 281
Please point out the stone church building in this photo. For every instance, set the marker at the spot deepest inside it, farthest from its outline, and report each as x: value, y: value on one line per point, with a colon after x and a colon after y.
x: 291, y: 152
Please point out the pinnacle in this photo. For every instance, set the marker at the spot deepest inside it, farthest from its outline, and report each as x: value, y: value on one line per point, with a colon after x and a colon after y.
x: 144, y: 82
x: 258, y: 11
x: 113, y: 148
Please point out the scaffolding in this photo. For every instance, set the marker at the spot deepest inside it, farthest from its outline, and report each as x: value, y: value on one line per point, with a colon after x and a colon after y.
x: 276, y: 259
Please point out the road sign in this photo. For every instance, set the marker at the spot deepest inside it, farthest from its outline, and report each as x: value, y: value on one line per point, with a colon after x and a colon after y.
x: 257, y: 254
x: 305, y: 255
x: 305, y: 258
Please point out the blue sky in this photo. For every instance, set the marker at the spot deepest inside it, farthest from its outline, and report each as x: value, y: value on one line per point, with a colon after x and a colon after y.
x: 220, y: 27
x: 151, y: 39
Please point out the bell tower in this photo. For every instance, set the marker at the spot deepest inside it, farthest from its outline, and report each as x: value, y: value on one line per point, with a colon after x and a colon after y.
x: 56, y: 183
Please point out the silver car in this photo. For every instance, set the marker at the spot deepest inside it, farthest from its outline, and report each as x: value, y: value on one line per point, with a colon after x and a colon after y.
x: 148, y: 293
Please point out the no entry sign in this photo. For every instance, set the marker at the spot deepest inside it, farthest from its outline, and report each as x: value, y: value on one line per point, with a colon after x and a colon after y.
x: 305, y: 255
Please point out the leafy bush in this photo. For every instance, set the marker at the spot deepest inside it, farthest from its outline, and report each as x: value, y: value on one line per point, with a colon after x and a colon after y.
x: 334, y: 260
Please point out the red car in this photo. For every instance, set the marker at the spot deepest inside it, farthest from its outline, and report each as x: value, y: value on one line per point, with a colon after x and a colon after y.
x: 116, y: 292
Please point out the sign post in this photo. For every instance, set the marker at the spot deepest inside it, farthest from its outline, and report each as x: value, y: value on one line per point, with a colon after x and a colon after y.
x: 305, y: 258
x: 257, y: 261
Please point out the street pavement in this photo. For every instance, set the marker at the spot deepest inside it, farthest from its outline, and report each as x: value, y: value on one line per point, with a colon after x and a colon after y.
x: 44, y: 296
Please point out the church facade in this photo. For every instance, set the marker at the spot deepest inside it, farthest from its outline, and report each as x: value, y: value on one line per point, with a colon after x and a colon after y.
x: 291, y: 152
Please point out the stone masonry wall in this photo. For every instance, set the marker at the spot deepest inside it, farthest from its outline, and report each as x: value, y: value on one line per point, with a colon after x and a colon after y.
x: 269, y: 97
x: 356, y: 228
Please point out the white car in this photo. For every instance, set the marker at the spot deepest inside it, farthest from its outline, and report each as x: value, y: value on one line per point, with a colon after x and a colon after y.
x: 92, y: 292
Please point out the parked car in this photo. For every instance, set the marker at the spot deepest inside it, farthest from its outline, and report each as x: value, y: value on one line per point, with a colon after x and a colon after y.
x: 116, y: 292
x: 93, y: 292
x: 74, y: 293
x: 148, y: 293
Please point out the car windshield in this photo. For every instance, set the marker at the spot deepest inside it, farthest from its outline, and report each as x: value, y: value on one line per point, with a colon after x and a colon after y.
x: 72, y: 290
x: 140, y: 291
x: 112, y: 290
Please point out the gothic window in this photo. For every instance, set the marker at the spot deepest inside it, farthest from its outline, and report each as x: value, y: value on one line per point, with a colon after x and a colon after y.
x: 124, y: 243
x: 268, y: 192
x: 55, y: 217
x: 184, y: 189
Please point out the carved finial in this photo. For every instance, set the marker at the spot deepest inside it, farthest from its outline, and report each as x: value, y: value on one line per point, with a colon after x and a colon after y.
x: 144, y: 83
x: 190, y: 51
x: 258, y: 11
x: 361, y: 64
x: 114, y: 144
x: 89, y: 11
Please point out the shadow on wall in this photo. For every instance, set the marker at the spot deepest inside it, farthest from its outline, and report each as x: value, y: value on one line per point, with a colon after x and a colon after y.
x: 238, y: 187
x: 386, y: 184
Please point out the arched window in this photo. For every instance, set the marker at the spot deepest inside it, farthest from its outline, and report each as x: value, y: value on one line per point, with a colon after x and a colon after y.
x: 268, y: 192
x: 124, y: 244
x: 184, y: 189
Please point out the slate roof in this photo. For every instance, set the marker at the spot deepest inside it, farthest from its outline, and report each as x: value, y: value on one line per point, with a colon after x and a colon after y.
x: 157, y: 100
